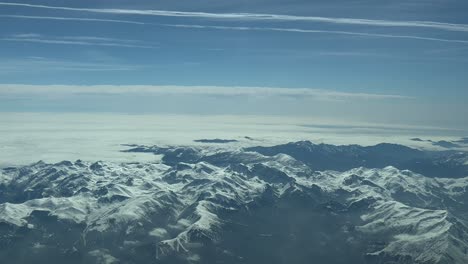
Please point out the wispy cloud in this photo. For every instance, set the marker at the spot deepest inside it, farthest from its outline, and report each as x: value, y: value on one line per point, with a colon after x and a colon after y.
x: 297, y: 30
x: 102, y: 39
x: 41, y: 64
x: 77, y: 40
x: 80, y: 19
x: 256, y: 16
x: 321, y: 94
x: 276, y: 29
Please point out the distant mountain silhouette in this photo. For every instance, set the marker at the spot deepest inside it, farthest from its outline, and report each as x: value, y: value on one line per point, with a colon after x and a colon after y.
x: 330, y: 157
x: 216, y: 140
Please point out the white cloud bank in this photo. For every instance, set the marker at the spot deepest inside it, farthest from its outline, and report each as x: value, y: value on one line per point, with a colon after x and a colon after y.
x: 18, y: 89
x: 53, y: 137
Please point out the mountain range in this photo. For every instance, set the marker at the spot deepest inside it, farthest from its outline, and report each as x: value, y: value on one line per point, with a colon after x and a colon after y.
x: 294, y: 203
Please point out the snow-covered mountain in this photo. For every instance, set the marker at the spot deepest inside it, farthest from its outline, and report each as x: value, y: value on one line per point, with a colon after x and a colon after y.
x: 258, y: 205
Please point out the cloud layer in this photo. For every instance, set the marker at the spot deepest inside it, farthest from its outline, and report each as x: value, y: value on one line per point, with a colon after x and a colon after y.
x: 15, y: 89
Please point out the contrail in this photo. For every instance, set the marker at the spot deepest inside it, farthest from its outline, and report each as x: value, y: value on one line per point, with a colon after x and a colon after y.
x: 82, y: 41
x: 73, y: 19
x: 295, y: 30
x: 255, y: 16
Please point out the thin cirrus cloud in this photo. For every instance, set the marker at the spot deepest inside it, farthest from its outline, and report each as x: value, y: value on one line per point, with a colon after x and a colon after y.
x: 321, y: 94
x: 290, y: 30
x: 256, y: 16
x: 297, y: 30
x: 76, y: 40
x: 81, y: 19
x: 41, y: 65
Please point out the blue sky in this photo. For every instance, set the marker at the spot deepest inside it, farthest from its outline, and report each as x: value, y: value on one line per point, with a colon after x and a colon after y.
x: 416, y: 50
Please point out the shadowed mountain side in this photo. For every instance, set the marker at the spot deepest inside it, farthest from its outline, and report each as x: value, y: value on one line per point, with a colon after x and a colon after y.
x: 320, y: 157
x: 444, y: 143
x: 463, y: 140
